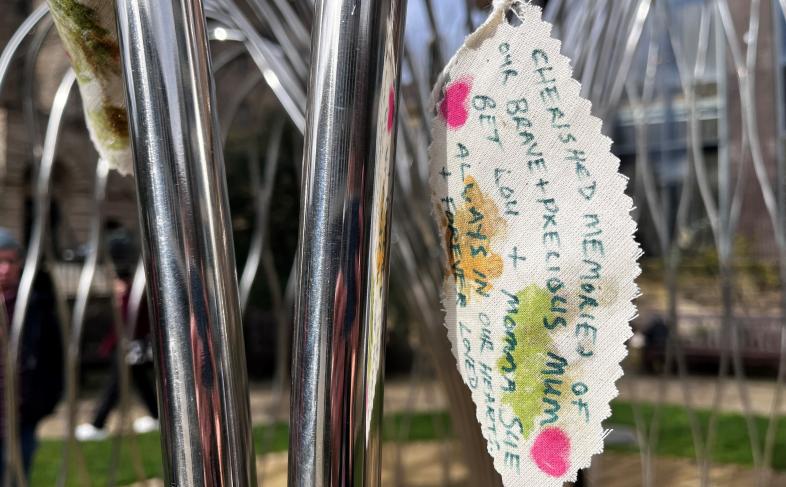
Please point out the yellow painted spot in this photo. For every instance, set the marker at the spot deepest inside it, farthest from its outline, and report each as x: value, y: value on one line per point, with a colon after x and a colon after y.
x: 475, y: 227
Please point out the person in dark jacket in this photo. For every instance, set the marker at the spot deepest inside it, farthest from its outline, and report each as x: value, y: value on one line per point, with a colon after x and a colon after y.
x: 41, y: 349
x: 124, y: 253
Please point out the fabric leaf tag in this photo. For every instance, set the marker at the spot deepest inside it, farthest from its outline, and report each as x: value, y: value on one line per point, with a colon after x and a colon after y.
x: 540, y: 259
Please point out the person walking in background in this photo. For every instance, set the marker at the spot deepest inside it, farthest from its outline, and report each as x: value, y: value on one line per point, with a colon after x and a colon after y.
x: 139, y: 357
x: 41, y: 353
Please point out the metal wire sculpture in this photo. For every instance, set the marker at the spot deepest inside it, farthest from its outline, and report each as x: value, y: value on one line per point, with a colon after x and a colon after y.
x: 618, y: 50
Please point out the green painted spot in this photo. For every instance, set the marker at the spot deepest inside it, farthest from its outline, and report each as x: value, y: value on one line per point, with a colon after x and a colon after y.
x: 93, y: 48
x: 111, y: 123
x: 526, y: 344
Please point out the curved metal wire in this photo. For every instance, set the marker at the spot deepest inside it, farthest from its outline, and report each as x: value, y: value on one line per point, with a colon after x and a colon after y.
x: 277, y: 74
x: 263, y: 192
x: 32, y: 261
x: 124, y: 329
x: 11, y: 49
x: 78, y: 318
x: 31, y: 56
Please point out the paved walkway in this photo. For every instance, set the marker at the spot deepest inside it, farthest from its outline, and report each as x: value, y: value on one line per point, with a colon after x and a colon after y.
x: 422, y: 466
x: 267, y: 405
x: 427, y: 464
x: 702, y: 392
x: 624, y: 470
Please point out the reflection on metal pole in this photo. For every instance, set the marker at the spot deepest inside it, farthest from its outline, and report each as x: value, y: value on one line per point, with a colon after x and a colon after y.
x: 349, y: 153
x: 189, y: 257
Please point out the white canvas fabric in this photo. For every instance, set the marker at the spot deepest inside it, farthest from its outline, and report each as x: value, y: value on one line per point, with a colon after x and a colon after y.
x: 538, y: 244
x: 88, y: 31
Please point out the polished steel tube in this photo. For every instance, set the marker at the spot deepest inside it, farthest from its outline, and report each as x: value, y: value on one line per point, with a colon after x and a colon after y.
x: 187, y: 244
x: 349, y: 152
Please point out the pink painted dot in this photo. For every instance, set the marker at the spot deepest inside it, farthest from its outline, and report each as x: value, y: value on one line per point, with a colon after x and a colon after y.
x: 551, y: 451
x: 454, y: 106
x: 391, y: 108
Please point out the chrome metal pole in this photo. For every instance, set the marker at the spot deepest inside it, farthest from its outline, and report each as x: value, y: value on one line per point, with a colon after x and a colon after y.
x: 349, y: 151
x: 187, y: 244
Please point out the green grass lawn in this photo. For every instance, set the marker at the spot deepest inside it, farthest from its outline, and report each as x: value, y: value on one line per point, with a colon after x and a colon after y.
x: 732, y: 444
